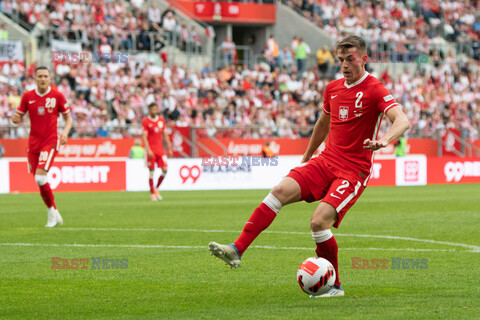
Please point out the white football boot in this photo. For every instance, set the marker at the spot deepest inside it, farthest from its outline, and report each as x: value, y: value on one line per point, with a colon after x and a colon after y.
x: 228, y: 253
x: 54, y: 218
x: 334, y: 292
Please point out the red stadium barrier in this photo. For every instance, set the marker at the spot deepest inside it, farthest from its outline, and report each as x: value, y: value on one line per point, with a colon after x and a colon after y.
x: 75, y: 148
x: 225, y: 11
x: 284, y: 146
x: 98, y: 147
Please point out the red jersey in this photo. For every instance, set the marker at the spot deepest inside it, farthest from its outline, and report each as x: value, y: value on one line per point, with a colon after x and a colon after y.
x: 154, y: 128
x: 43, y: 110
x: 356, y: 112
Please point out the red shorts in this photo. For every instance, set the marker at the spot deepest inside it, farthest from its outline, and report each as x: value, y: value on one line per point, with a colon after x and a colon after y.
x: 42, y: 159
x: 319, y: 180
x: 159, y: 159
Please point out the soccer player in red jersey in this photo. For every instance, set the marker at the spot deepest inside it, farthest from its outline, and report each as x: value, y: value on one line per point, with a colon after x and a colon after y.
x: 43, y: 105
x: 352, y: 111
x: 153, y: 132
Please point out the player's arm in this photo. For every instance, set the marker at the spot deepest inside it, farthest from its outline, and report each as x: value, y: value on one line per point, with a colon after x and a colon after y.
x: 68, y: 126
x: 17, y: 117
x: 399, y: 125
x: 20, y: 112
x: 145, y: 143
x: 167, y: 142
x: 320, y: 132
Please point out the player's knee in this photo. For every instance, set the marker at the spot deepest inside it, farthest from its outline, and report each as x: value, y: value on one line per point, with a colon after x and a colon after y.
x: 323, y: 218
x: 280, y: 191
x: 40, y: 179
x: 287, y: 192
x: 277, y: 190
x: 151, y: 173
x: 318, y: 223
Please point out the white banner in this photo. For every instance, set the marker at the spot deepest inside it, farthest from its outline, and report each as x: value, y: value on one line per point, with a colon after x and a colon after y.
x: 190, y: 174
x: 66, y: 47
x: 11, y: 50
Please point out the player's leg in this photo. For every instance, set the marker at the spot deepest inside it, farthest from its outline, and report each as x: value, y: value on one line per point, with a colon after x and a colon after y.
x: 162, y: 163
x: 287, y: 191
x: 340, y: 197
x: 41, y: 166
x: 151, y: 172
x: 323, y: 218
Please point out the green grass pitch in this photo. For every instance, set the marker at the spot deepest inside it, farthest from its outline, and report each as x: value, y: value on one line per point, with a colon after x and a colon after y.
x: 170, y: 274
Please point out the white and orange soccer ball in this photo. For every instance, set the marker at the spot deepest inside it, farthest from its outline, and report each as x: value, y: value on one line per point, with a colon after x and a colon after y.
x: 316, y: 276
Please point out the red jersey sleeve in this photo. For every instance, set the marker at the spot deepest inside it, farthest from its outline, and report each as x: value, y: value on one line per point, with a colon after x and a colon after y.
x: 62, y: 104
x: 326, y: 101
x: 23, y: 107
x: 383, y: 98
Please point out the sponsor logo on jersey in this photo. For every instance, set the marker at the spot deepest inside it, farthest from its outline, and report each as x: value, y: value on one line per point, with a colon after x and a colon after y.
x: 343, y: 113
x: 31, y: 101
x: 333, y: 97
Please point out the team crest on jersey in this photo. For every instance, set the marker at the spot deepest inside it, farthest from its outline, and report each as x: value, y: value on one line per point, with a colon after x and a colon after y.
x: 343, y: 113
x: 41, y: 111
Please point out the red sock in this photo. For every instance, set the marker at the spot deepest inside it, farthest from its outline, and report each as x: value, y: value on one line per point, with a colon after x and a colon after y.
x: 329, y: 250
x: 160, y: 179
x: 150, y: 182
x: 261, y: 218
x: 47, y: 195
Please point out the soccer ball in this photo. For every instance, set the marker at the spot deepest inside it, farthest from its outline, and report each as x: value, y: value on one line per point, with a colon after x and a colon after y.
x: 316, y: 276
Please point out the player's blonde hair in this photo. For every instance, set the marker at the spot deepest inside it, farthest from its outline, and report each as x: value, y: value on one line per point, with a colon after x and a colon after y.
x: 352, y: 41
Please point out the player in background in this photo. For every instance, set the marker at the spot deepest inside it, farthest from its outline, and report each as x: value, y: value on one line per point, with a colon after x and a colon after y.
x: 353, y: 109
x: 153, y: 131
x: 43, y: 105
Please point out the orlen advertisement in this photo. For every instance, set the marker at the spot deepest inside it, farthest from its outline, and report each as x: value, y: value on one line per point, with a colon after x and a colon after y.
x: 72, y: 176
x: 453, y: 170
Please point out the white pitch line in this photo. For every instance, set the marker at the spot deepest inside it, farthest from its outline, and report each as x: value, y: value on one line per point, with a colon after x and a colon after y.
x: 473, y: 248
x: 159, y: 246
x: 100, y: 245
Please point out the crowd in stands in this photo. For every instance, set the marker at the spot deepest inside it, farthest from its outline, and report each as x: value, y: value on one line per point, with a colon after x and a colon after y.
x: 111, y: 99
x: 407, y: 25
x: 116, y: 25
